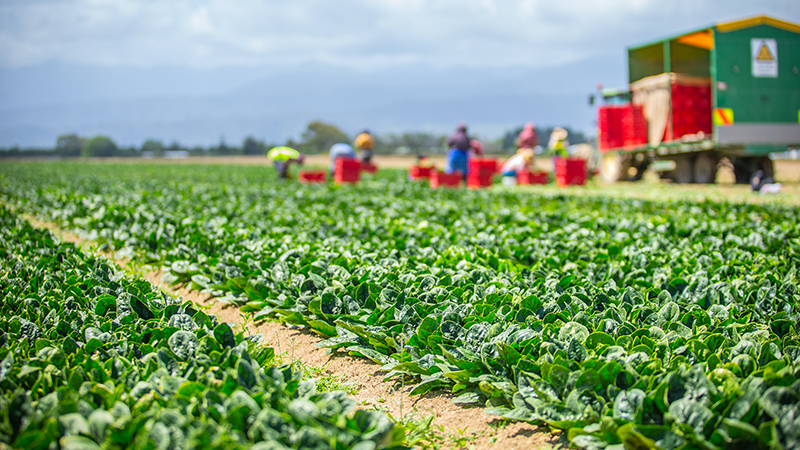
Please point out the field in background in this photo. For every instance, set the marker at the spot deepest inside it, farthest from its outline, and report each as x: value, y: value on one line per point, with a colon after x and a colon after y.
x: 787, y: 172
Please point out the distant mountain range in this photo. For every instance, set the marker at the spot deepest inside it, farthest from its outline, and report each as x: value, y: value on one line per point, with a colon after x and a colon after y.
x: 206, y: 106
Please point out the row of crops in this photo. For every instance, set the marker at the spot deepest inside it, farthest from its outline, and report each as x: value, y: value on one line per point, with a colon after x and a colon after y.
x: 94, y: 359
x: 663, y: 324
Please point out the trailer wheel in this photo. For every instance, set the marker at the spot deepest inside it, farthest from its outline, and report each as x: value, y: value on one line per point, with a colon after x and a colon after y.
x: 704, y: 169
x: 614, y: 167
x: 683, y: 169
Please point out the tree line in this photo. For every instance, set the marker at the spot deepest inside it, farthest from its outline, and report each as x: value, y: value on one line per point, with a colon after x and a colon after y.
x: 317, y: 138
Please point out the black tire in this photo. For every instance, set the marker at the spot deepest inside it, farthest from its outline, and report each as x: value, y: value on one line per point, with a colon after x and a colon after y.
x: 640, y: 169
x: 683, y: 169
x: 704, y: 168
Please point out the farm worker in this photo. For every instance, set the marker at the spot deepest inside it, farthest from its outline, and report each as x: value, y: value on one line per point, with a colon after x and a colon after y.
x: 475, y: 148
x: 527, y: 137
x: 764, y: 185
x: 365, y: 143
x: 344, y: 151
x: 558, y: 142
x: 423, y: 161
x: 281, y: 158
x: 458, y: 156
x: 521, y: 161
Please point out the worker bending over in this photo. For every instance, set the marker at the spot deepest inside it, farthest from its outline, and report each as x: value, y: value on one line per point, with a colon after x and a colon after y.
x: 458, y: 156
x: 521, y: 161
x: 344, y: 151
x: 558, y: 142
x: 281, y: 158
x: 365, y: 143
x: 527, y: 137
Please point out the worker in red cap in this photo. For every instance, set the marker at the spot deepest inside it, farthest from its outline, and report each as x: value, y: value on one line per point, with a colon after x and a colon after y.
x: 528, y: 137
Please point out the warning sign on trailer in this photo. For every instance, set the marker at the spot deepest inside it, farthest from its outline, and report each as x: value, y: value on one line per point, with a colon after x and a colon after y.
x: 765, y: 57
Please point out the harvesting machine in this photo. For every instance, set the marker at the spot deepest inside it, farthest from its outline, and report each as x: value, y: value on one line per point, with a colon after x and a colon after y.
x: 728, y: 90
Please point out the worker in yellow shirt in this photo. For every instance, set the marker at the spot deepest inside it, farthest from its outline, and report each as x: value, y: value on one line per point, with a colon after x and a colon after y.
x: 283, y: 156
x: 365, y: 143
x: 558, y: 142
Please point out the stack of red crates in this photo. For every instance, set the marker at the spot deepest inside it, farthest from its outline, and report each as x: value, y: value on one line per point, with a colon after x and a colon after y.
x: 311, y: 176
x: 691, y: 110
x: 609, y: 123
x: 347, y: 171
x: 369, y: 168
x: 481, y: 172
x: 445, y: 179
x: 535, y: 177
x: 634, y: 126
x: 570, y: 171
x: 417, y: 173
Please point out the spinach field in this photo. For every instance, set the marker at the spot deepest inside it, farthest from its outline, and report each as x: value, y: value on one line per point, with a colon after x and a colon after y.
x: 626, y: 323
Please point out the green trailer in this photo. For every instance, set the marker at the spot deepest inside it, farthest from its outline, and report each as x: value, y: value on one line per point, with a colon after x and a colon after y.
x: 730, y: 90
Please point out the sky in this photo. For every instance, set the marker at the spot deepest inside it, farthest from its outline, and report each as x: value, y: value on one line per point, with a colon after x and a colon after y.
x: 208, y: 70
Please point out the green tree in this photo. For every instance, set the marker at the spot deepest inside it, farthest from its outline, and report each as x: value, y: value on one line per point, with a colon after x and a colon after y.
x: 319, y: 137
x: 253, y: 147
x: 69, y: 145
x: 99, y: 146
x: 152, y: 145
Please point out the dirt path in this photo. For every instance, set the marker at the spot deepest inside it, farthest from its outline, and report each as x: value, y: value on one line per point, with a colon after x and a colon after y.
x: 457, y: 426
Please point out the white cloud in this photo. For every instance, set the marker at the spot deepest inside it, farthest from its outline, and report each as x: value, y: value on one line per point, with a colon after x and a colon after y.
x: 359, y: 33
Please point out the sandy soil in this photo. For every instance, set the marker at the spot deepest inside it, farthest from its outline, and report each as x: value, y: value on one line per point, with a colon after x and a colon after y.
x: 460, y: 427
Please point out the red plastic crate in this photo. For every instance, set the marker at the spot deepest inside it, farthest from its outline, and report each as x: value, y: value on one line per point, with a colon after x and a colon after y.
x: 535, y: 177
x: 634, y: 126
x: 347, y: 170
x: 609, y: 123
x: 445, y: 179
x: 478, y: 181
x: 691, y: 111
x: 312, y: 176
x: 570, y: 171
x: 340, y: 178
x: 369, y: 168
x: 483, y: 166
x: 347, y: 165
x: 416, y: 172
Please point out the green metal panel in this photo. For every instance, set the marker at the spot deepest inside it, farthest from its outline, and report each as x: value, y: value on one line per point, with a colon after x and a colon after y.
x: 645, y: 61
x: 690, y: 60
x: 667, y: 56
x: 754, y: 99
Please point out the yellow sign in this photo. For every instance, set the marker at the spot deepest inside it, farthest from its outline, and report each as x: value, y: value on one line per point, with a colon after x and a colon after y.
x: 723, y: 116
x: 764, y: 54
